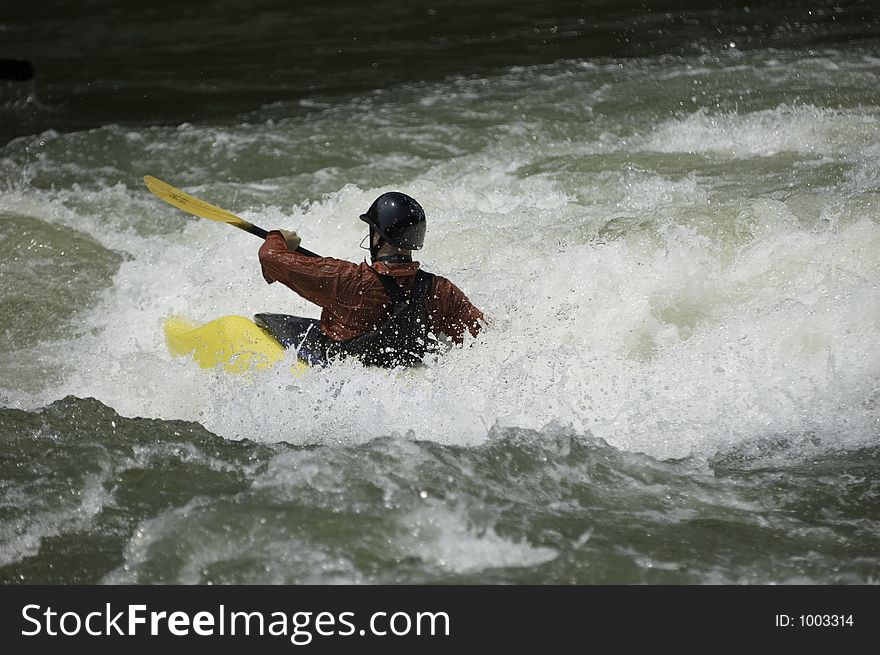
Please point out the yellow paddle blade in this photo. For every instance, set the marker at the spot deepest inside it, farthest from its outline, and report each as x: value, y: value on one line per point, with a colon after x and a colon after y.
x: 234, y: 342
x: 196, y: 207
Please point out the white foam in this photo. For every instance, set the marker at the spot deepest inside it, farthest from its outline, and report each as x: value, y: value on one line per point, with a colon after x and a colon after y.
x: 667, y: 313
x: 448, y: 539
x: 202, y: 551
x: 801, y: 129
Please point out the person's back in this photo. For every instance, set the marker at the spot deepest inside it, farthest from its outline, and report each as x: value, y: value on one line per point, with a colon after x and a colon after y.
x: 386, y: 313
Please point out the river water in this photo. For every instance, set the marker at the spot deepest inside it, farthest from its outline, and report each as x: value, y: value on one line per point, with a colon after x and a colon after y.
x: 670, y: 214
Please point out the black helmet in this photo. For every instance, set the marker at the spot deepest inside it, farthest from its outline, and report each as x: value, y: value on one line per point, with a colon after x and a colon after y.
x: 399, y: 219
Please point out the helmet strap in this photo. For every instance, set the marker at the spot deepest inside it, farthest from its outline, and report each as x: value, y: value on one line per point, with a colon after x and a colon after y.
x: 375, y: 245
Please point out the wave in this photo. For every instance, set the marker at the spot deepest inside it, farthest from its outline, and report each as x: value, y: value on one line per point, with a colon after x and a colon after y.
x: 674, y: 286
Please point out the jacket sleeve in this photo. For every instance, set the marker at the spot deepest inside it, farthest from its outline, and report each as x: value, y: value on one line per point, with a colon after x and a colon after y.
x: 314, y: 278
x: 454, y: 312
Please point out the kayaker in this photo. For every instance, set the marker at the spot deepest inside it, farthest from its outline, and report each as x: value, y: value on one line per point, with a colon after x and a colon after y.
x: 388, y: 312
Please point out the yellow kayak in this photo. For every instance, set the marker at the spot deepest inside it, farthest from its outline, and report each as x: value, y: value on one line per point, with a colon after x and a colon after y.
x: 235, y: 343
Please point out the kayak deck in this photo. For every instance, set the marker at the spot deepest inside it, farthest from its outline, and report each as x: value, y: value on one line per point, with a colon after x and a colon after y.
x: 235, y: 343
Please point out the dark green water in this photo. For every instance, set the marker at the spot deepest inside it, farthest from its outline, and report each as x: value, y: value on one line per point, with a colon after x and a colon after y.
x: 167, y: 62
x: 101, y: 498
x: 670, y: 212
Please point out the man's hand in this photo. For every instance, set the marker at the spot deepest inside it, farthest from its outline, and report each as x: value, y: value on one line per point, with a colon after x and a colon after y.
x: 292, y: 238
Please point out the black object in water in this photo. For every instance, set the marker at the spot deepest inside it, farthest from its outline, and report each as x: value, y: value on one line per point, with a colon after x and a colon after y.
x: 17, y: 70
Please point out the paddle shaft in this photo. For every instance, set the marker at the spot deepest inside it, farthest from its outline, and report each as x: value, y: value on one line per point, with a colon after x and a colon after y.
x: 260, y: 232
x: 196, y: 207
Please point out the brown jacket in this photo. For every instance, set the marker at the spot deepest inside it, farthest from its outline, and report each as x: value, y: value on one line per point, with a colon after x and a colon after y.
x: 352, y: 297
